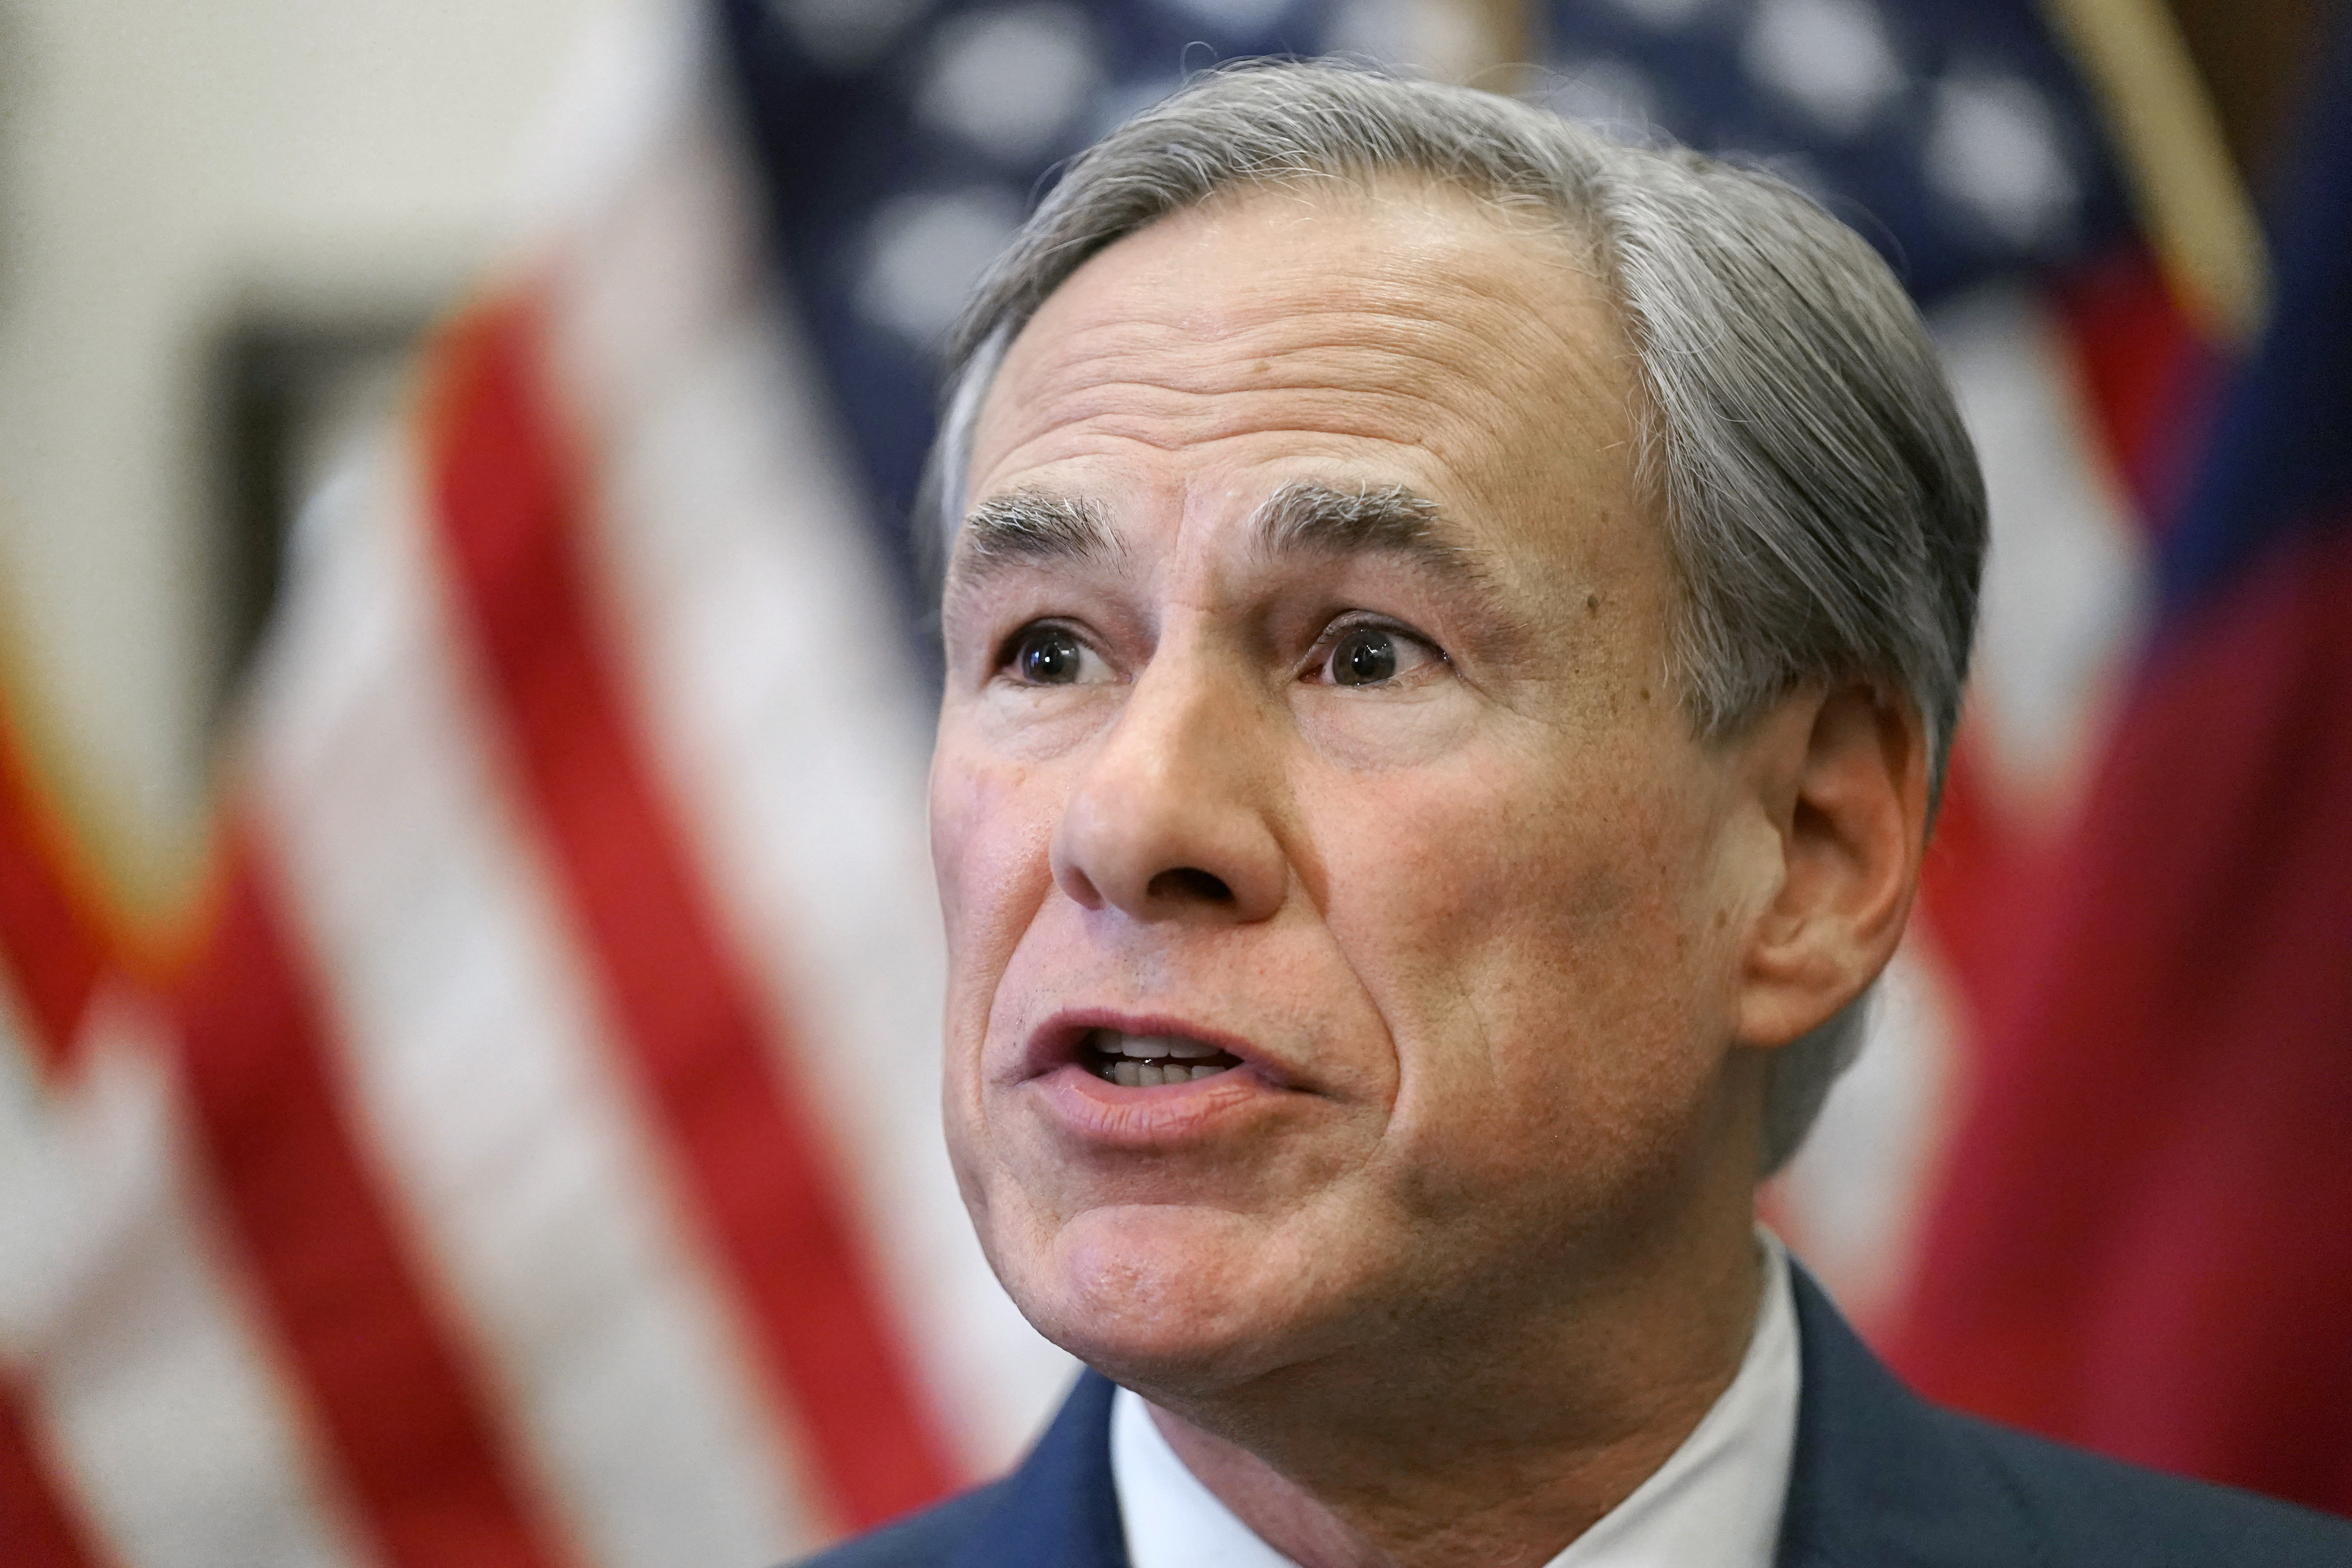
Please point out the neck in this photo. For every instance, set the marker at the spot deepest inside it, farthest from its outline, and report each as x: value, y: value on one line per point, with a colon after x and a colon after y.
x: 1503, y: 1452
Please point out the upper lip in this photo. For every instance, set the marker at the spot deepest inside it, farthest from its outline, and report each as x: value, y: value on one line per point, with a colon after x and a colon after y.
x: 1056, y: 1042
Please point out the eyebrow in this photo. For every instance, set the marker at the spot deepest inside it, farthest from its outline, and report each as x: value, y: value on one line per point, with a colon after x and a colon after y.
x: 1035, y: 528
x: 1313, y: 519
x: 1031, y: 528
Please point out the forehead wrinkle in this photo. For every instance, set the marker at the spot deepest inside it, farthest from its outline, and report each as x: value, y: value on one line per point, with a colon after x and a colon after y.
x: 1451, y: 284
x: 1343, y: 351
x: 1165, y: 415
x: 1474, y: 377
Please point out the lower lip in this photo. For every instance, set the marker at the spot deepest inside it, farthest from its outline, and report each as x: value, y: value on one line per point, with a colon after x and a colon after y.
x: 1104, y: 1112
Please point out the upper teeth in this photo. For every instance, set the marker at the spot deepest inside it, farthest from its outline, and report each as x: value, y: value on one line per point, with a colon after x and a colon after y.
x: 1150, y: 1047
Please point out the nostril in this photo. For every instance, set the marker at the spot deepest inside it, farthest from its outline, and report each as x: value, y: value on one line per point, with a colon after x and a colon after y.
x: 1190, y: 885
x: 1081, y: 886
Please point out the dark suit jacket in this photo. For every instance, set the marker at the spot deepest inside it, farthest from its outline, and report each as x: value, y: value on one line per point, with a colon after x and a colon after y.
x: 1880, y: 1480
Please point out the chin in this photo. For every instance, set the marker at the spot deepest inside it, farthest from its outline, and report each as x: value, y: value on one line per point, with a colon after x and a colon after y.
x: 1165, y: 1300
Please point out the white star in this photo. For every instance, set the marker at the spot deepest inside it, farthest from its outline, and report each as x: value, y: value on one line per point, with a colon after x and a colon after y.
x: 1992, y: 148
x: 925, y: 252
x: 1831, y: 58
x: 1009, y: 81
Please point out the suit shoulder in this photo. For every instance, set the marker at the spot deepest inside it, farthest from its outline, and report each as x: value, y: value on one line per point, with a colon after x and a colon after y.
x: 924, y: 1540
x: 1883, y: 1476
x: 2095, y: 1510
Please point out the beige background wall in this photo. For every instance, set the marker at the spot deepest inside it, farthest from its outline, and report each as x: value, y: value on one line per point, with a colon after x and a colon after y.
x: 162, y: 162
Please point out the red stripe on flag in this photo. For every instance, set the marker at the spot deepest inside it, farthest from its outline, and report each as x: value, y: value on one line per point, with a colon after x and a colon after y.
x: 2141, y: 1242
x: 511, y: 514
x: 54, y: 950
x: 1976, y: 874
x: 405, y: 1416
x: 2146, y: 377
x: 36, y: 1527
x: 52, y: 944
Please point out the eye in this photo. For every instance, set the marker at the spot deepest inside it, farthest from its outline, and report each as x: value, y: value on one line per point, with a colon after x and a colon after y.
x: 1051, y: 655
x: 1375, y: 655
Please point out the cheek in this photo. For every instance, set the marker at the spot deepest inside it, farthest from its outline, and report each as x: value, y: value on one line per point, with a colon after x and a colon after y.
x: 991, y: 836
x: 1534, y: 953
x: 992, y: 829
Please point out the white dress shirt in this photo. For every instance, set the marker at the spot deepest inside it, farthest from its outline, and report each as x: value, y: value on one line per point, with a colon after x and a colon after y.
x: 1714, y: 1503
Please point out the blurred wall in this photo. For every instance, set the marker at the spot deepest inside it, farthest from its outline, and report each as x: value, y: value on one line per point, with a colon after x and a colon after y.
x: 168, y: 167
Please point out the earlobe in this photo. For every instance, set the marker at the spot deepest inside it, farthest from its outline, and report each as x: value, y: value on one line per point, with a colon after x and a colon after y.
x: 1844, y: 779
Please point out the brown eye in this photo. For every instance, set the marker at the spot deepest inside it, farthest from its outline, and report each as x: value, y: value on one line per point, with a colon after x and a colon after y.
x: 1365, y: 656
x: 1048, y: 655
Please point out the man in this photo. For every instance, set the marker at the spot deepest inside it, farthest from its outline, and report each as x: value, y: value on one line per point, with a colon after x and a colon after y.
x: 1451, y: 628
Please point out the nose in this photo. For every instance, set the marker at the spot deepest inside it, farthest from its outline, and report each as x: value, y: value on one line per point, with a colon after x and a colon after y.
x: 1170, y: 818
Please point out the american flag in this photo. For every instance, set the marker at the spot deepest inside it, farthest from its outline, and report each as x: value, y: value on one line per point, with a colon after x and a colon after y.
x: 527, y: 1155
x: 531, y: 1158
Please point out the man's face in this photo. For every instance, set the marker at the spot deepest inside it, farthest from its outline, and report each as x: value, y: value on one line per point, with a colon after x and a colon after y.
x: 1308, y: 719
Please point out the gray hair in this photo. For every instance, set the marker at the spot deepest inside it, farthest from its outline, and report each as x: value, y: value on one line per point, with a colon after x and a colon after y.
x: 1821, y: 500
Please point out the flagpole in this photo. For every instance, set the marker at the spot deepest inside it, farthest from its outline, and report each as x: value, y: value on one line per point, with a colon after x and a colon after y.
x: 1495, y: 43
x: 2169, y: 138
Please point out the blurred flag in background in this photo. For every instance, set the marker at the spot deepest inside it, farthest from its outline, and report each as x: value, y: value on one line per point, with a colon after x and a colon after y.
x: 475, y: 1188
x: 2144, y: 1237
x: 528, y: 1154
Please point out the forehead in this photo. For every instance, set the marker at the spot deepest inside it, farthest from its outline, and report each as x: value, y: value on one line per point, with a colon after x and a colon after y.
x: 1387, y: 334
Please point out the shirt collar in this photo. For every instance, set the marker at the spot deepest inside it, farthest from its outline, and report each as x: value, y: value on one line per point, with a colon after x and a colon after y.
x: 1714, y: 1503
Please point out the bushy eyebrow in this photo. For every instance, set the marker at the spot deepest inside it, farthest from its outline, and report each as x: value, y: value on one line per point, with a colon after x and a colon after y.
x: 1040, y: 529
x: 1307, y: 518
x: 1031, y: 528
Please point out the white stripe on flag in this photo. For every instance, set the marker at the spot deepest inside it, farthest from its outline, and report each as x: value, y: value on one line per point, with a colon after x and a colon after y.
x: 1853, y: 1194
x: 481, y: 1066
x: 2065, y: 587
x: 183, y: 1443
x: 768, y: 666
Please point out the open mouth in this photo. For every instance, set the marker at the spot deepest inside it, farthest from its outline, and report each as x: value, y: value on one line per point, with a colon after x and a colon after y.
x: 1149, y: 1061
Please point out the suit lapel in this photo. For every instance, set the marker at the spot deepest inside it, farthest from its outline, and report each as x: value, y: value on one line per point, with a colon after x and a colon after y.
x: 1060, y: 1508
x: 1880, y: 1478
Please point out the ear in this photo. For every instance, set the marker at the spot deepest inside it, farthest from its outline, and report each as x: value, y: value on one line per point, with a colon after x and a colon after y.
x: 1843, y: 775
